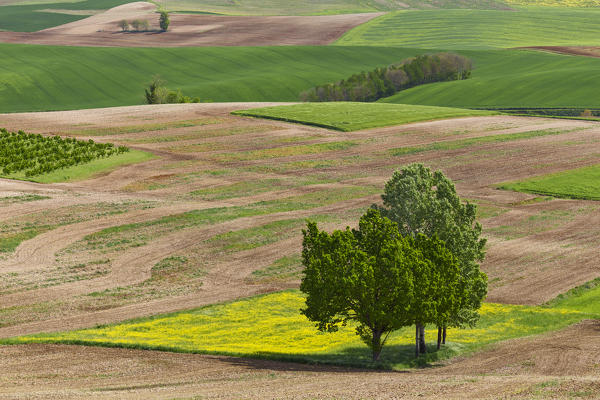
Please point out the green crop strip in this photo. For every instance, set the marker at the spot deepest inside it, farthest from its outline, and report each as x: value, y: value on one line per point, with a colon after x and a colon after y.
x: 352, y: 116
x: 31, y: 155
x: 478, y: 29
x: 119, y: 130
x: 286, y: 151
x: 123, y: 234
x: 463, y: 143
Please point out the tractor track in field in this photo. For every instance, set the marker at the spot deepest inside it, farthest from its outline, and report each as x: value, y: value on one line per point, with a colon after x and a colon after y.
x: 134, y: 266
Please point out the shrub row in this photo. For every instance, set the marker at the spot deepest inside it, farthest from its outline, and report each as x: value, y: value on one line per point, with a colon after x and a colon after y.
x: 385, y: 81
x: 36, y: 154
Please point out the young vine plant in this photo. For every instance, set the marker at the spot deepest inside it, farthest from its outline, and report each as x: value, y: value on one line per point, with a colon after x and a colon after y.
x: 34, y: 154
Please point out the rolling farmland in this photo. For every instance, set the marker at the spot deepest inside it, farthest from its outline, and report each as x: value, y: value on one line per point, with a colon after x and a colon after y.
x: 478, y: 29
x: 213, y: 74
x: 149, y: 243
x: 535, y: 79
x: 155, y: 250
x: 280, y: 74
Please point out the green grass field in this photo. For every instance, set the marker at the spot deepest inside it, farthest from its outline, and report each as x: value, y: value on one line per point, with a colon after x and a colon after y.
x: 317, y: 7
x: 348, y: 116
x: 37, y: 78
x: 479, y: 29
x: 270, y: 326
x: 512, y: 78
x: 581, y: 183
x: 28, y: 17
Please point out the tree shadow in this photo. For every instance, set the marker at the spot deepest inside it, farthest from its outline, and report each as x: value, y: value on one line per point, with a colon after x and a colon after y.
x: 398, y: 358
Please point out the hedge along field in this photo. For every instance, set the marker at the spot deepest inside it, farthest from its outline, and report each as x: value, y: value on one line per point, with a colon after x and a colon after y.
x: 479, y: 29
x: 28, y: 17
x: 60, y: 78
x: 514, y: 78
x: 580, y: 183
x: 271, y: 326
x: 349, y: 116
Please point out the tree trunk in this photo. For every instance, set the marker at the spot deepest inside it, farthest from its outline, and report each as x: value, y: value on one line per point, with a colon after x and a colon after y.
x: 376, y: 344
x: 439, y: 341
x: 417, y: 340
x: 422, y: 346
x: 444, y: 336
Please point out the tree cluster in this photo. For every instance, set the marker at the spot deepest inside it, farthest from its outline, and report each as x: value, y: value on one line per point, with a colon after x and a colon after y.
x: 386, y: 81
x: 412, y: 261
x: 36, y: 154
x: 137, y: 25
x: 158, y: 93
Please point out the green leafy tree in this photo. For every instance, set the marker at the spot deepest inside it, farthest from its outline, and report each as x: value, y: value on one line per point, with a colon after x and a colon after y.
x: 420, y: 201
x: 164, y: 21
x: 362, y: 275
x: 156, y: 93
x: 444, y: 286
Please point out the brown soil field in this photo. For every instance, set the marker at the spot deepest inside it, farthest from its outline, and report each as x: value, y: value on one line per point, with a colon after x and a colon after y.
x: 586, y: 51
x: 190, y: 202
x: 192, y: 30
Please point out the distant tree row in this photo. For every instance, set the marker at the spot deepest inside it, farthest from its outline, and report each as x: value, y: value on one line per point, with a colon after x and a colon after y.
x: 158, y: 93
x: 386, y: 81
x: 36, y: 154
x: 142, y: 25
x: 137, y: 25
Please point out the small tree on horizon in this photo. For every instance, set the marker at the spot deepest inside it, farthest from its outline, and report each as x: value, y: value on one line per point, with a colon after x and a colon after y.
x: 124, y: 25
x: 164, y: 21
x: 136, y: 24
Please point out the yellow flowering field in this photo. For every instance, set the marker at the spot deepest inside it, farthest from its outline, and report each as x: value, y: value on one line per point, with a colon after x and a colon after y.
x: 271, y: 326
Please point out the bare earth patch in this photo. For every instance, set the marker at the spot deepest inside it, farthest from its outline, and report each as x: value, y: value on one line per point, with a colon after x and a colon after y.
x: 192, y: 30
x: 586, y: 51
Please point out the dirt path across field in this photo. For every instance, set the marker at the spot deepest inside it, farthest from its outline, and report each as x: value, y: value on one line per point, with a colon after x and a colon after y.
x: 193, y: 30
x: 560, y: 365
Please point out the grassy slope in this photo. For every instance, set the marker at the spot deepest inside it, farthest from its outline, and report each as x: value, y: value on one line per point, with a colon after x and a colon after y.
x: 314, y: 7
x: 85, y: 171
x: 36, y: 78
x: 271, y: 326
x: 581, y: 183
x: 346, y: 116
x: 511, y: 78
x: 28, y: 18
x: 479, y: 29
